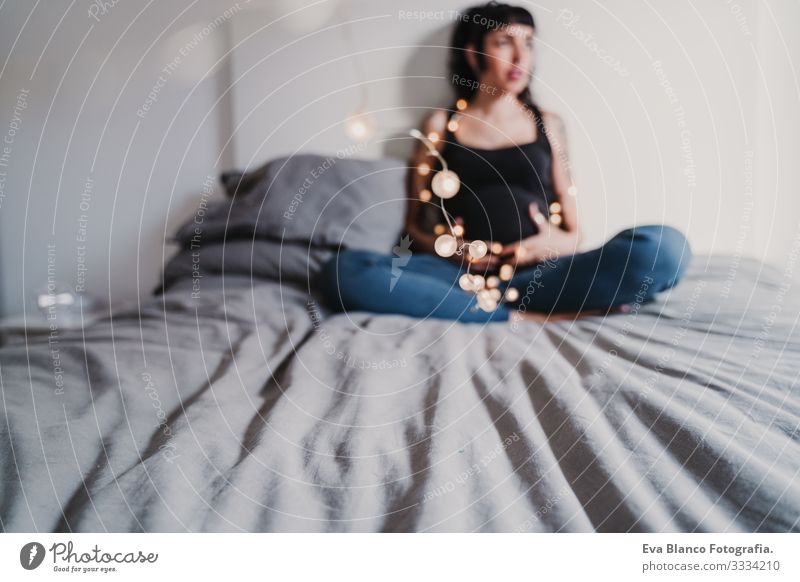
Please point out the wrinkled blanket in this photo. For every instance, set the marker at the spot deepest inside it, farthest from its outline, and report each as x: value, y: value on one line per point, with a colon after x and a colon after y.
x: 245, y: 406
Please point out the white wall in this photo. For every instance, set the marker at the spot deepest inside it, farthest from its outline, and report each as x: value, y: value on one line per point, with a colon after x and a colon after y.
x: 87, y: 78
x: 731, y: 66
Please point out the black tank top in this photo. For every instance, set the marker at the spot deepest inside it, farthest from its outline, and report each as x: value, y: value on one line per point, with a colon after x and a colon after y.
x: 497, y: 185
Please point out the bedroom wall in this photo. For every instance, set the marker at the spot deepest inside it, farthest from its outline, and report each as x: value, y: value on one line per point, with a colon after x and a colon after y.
x: 665, y: 123
x: 91, y: 182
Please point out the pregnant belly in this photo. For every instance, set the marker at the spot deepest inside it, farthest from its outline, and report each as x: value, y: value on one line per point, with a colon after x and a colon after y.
x: 497, y: 213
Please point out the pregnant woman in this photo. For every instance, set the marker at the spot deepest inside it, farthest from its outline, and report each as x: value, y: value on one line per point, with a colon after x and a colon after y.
x: 515, y: 194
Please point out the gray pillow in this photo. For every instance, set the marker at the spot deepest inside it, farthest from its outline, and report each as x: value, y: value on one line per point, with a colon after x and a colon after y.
x: 326, y: 201
x: 293, y: 263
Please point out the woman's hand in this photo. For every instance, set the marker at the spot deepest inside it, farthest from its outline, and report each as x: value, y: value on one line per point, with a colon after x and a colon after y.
x: 549, y: 243
x: 488, y: 261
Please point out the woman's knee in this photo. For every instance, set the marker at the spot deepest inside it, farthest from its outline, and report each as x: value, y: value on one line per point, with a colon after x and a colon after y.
x: 341, y: 272
x: 351, y: 260
x: 659, y: 254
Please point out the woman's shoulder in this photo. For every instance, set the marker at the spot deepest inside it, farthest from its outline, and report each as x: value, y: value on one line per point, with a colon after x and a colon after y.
x: 551, y: 119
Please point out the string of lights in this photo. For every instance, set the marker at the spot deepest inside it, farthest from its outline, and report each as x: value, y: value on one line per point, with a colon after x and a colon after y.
x: 446, y: 184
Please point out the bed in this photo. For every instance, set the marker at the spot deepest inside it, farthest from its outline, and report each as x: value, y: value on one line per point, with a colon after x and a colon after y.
x: 236, y: 401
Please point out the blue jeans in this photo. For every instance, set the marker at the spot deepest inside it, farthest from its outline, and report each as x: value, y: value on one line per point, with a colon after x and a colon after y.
x: 632, y: 266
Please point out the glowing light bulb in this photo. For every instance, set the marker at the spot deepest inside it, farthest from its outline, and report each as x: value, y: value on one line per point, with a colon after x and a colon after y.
x: 452, y: 125
x: 433, y: 136
x: 478, y: 282
x: 539, y: 218
x: 445, y: 184
x: 555, y: 207
x: 492, y: 281
x: 555, y: 218
x: 358, y: 126
x: 477, y: 249
x: 465, y: 282
x: 495, y: 294
x: 458, y: 230
x: 572, y: 190
x: 424, y: 169
x: 438, y: 229
x: 497, y: 248
x: 461, y: 104
x: 486, y: 301
x: 511, y: 294
x: 506, y: 272
x: 425, y: 195
x: 445, y: 245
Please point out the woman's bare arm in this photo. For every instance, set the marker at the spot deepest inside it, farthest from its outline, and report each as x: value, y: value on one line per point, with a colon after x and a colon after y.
x: 423, y: 241
x: 562, y: 179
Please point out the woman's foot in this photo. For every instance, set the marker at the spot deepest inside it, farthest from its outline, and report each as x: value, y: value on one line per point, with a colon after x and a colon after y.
x: 542, y: 317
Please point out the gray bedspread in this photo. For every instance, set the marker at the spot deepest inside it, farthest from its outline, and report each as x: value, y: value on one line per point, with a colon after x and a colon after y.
x: 251, y: 408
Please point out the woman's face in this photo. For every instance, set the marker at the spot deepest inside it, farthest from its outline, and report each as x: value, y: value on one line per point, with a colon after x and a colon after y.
x: 508, y: 57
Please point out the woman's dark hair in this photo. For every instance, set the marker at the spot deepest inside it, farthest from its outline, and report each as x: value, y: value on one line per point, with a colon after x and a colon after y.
x: 473, y: 25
